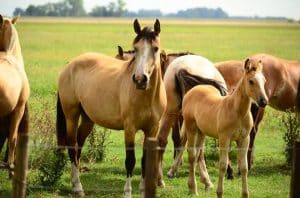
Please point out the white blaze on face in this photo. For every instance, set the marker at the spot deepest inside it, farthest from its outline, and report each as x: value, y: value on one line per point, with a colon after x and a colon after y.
x: 140, y: 69
x: 261, y: 82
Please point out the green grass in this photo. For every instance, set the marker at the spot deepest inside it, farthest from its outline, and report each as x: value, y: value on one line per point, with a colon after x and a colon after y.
x: 47, y: 47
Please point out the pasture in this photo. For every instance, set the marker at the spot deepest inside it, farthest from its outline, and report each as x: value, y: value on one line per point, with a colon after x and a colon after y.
x: 48, y: 44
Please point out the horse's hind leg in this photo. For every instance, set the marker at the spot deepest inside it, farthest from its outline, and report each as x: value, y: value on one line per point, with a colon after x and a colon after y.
x: 202, y: 166
x: 164, y: 130
x: 176, y: 135
x: 15, y: 119
x: 178, y: 158
x: 72, y: 117
x: 85, y: 128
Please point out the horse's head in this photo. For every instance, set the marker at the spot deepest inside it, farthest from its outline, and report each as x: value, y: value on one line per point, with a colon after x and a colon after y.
x: 8, y: 33
x: 147, y: 53
x: 255, y: 82
x: 124, y: 55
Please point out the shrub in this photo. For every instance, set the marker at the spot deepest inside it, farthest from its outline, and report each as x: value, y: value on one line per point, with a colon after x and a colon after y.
x: 46, y: 159
x: 292, y: 132
x: 97, y: 143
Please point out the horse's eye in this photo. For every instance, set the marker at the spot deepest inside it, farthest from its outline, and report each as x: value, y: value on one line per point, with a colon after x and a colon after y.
x: 251, y: 82
x: 155, y: 49
x: 135, y: 49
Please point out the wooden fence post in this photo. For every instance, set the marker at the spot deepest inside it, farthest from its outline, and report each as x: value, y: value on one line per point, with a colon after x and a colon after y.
x: 295, y: 177
x: 151, y: 167
x: 20, y: 170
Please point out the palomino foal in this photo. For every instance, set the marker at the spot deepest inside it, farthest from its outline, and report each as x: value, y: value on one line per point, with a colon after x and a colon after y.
x: 228, y: 118
x: 14, y: 87
x: 115, y: 94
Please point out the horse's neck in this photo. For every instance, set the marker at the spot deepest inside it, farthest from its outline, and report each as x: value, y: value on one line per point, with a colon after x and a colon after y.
x: 239, y: 100
x: 156, y: 82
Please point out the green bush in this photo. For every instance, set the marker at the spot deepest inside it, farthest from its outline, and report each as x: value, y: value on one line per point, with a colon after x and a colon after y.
x: 291, y: 125
x: 97, y: 143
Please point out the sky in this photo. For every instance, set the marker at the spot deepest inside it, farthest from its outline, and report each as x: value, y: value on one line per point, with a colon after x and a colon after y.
x: 262, y: 8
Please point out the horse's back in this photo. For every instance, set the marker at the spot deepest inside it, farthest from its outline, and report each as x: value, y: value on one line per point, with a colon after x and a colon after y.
x: 232, y: 71
x: 94, y: 80
x: 201, y: 105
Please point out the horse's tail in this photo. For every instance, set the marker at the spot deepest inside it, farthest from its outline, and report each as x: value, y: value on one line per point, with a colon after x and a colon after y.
x: 298, y: 98
x: 61, y: 129
x: 184, y: 81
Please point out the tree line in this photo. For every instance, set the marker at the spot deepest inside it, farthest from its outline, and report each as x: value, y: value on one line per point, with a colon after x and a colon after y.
x: 75, y: 8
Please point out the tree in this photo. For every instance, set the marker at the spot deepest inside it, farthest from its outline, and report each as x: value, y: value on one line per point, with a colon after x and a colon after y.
x: 18, y: 12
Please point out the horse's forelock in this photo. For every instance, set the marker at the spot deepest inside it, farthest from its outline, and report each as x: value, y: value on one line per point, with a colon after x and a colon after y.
x: 147, y: 33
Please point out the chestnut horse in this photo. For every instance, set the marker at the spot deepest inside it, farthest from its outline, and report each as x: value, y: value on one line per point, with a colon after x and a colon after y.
x: 196, y: 65
x: 14, y: 88
x: 116, y: 94
x: 207, y: 113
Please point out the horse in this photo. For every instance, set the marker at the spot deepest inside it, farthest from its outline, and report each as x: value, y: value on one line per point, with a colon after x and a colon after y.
x: 226, y: 118
x: 130, y: 95
x: 14, y: 89
x: 165, y: 60
x: 283, y: 78
x: 197, y: 65
x: 282, y: 87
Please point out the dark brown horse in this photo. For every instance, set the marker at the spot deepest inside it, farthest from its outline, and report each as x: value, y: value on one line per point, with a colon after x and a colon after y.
x: 115, y: 94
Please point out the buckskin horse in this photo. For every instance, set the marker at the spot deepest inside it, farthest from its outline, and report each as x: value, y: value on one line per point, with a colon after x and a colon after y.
x: 14, y: 88
x: 115, y: 94
x: 226, y: 118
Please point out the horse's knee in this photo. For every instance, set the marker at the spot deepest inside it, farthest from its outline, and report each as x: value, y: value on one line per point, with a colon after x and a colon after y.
x: 243, y: 170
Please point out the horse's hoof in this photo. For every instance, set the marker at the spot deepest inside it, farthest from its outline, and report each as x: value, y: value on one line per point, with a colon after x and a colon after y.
x: 193, y: 192
x: 79, y: 194
x: 171, y: 174
x: 161, y: 183
x: 208, y: 187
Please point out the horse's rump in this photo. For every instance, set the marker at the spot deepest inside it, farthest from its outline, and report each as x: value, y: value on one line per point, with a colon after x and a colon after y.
x: 184, y: 81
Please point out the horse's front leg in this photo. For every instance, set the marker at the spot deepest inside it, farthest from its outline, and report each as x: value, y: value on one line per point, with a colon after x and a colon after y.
x: 224, y: 149
x: 15, y: 119
x: 130, y: 158
x: 242, y: 161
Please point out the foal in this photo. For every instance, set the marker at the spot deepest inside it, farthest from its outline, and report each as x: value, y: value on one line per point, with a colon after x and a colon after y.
x: 207, y: 113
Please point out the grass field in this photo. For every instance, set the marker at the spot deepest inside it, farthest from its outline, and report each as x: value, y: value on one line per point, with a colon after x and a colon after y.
x: 48, y: 44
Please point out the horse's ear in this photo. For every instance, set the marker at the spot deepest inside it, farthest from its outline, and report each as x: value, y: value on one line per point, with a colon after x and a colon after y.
x: 14, y: 20
x: 137, y: 27
x: 247, y: 65
x: 120, y: 51
x: 163, y: 55
x: 157, y: 26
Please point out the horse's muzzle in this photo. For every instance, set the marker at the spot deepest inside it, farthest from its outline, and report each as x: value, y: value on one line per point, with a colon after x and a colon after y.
x: 262, y: 102
x: 141, y: 82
